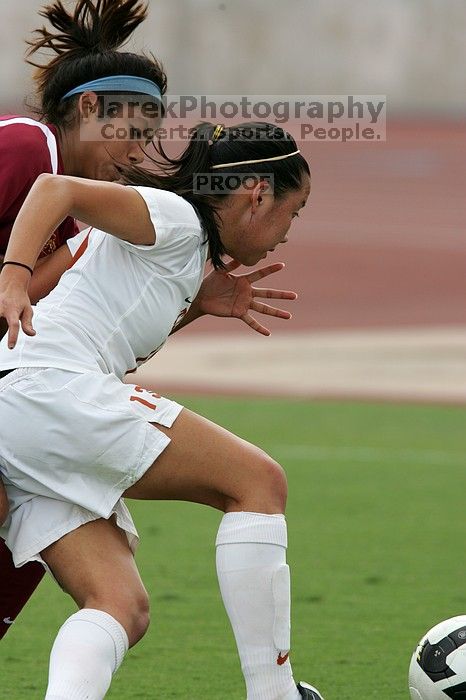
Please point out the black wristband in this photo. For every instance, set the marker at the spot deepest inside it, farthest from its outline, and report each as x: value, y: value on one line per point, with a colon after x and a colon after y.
x: 26, y: 267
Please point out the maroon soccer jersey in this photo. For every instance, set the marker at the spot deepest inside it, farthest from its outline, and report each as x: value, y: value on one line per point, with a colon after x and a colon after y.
x: 27, y: 149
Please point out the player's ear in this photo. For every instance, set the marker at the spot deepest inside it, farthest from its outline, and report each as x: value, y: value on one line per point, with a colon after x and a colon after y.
x: 257, y: 194
x: 87, y: 105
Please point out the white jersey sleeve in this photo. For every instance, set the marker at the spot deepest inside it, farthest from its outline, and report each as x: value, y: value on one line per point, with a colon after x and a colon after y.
x: 173, y: 218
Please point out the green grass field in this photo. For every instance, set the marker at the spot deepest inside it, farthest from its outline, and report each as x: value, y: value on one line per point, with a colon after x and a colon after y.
x: 376, y: 529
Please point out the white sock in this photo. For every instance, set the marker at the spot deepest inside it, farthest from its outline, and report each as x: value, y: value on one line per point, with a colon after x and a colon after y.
x: 87, y: 651
x: 255, y: 585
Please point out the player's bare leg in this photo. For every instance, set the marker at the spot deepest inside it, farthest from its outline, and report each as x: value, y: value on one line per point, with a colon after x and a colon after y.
x: 206, y: 464
x: 96, y: 567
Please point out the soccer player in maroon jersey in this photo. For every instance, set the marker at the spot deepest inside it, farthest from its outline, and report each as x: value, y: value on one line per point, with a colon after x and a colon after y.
x: 86, y: 43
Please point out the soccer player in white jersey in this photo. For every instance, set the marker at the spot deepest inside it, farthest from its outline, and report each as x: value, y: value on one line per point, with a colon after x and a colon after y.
x: 86, y: 40
x: 130, y: 283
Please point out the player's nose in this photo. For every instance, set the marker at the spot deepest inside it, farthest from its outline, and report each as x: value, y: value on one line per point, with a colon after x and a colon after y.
x: 135, y: 154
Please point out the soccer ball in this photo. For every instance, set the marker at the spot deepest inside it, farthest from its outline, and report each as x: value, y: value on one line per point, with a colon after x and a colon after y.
x: 438, y: 666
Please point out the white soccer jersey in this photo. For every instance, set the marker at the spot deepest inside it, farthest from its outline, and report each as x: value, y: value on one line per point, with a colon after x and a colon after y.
x: 117, y: 304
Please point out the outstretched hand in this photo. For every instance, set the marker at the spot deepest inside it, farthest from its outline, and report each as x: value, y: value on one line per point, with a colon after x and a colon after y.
x: 228, y: 295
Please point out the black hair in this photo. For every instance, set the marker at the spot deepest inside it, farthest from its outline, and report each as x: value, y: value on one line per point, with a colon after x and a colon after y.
x: 249, y: 141
x: 86, y: 43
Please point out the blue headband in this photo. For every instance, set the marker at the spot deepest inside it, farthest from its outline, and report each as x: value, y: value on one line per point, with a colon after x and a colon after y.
x: 119, y: 83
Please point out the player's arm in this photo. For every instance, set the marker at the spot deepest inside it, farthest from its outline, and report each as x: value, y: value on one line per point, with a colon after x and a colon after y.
x: 114, y: 208
x: 119, y: 210
x: 47, y: 273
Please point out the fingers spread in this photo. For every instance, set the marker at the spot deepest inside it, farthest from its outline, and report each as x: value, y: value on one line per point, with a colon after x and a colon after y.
x: 274, y: 294
x: 255, y: 325
x: 269, y: 310
x: 264, y: 272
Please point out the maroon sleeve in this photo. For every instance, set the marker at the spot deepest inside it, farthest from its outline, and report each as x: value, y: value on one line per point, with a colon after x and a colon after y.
x: 24, y: 155
x: 66, y: 230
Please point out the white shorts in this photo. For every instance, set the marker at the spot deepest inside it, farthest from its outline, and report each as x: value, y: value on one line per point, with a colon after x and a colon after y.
x: 70, y: 445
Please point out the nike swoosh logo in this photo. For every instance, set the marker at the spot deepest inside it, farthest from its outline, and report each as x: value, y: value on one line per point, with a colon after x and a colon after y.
x: 8, y: 620
x: 282, y: 659
x: 188, y: 300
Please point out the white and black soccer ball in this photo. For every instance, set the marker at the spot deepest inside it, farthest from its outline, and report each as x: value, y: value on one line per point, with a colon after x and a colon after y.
x: 438, y: 666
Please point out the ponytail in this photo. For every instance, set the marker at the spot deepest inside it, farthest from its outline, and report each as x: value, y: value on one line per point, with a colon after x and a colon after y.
x: 176, y: 175
x: 86, y: 45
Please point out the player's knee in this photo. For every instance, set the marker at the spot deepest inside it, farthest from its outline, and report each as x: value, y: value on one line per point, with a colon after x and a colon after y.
x: 130, y: 608
x: 135, y: 617
x: 140, y: 619
x: 277, y: 482
x: 270, y: 482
